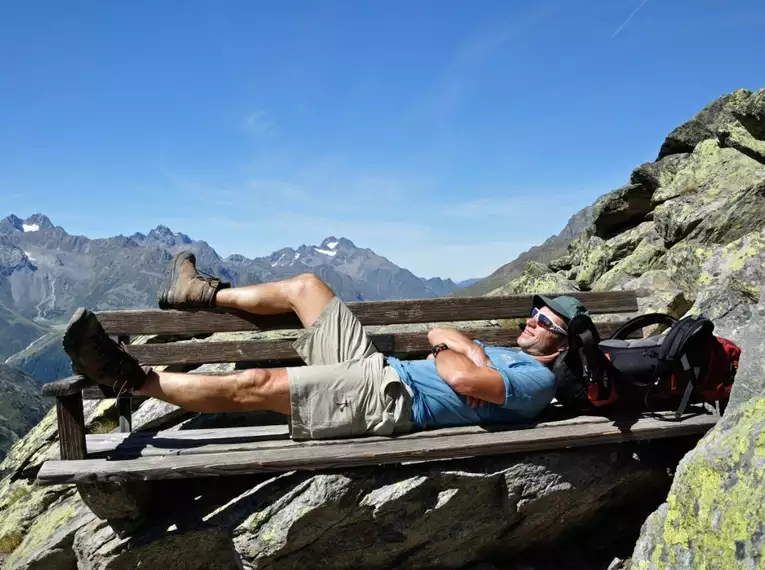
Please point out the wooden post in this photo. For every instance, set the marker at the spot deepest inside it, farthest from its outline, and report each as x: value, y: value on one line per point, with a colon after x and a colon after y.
x: 71, y: 426
x: 125, y: 409
x: 124, y: 405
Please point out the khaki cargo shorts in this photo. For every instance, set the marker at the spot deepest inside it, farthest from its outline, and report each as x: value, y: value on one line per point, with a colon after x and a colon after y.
x: 346, y: 389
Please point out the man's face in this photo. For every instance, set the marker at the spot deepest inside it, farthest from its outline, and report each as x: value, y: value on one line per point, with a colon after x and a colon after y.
x: 539, y: 341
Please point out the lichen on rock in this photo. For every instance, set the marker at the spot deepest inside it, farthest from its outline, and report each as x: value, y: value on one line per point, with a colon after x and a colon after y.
x: 714, y: 517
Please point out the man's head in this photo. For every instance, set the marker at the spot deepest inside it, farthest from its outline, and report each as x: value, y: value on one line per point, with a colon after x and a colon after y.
x: 546, y: 330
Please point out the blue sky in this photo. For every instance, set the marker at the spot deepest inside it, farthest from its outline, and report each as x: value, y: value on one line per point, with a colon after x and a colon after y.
x: 447, y: 136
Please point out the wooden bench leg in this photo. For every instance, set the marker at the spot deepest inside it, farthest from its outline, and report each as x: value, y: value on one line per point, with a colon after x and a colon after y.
x: 71, y: 426
x: 125, y: 406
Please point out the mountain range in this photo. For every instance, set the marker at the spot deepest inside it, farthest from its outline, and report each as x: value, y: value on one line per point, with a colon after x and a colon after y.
x: 46, y: 273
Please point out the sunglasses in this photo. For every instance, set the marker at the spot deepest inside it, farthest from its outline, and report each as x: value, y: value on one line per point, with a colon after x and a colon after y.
x: 545, y: 322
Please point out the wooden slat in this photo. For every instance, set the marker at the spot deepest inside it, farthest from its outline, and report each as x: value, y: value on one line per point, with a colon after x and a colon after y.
x: 119, y: 446
x: 402, y: 345
x: 359, y: 452
x: 368, y: 312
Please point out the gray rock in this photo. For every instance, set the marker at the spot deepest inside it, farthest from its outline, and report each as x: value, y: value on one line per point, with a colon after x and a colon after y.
x: 704, y: 125
x: 652, y: 175
x: 714, y: 516
x: 48, y: 545
x: 116, y: 501
x: 97, y: 548
x: 751, y: 114
x: 750, y: 378
x: 624, y: 207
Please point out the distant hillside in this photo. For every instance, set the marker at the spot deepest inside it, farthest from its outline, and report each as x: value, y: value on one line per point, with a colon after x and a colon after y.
x: 553, y: 248
x: 44, y: 360
x: 21, y: 406
x: 16, y: 332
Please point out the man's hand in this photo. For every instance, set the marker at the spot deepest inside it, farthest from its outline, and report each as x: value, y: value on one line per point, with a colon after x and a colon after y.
x: 459, y: 343
x: 474, y: 402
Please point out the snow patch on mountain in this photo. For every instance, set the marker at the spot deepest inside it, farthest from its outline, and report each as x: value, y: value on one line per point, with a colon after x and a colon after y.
x: 326, y: 251
x: 332, y: 245
x: 30, y: 227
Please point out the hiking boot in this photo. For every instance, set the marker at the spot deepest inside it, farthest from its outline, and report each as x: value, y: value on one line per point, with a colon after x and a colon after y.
x: 184, y: 286
x: 98, y: 357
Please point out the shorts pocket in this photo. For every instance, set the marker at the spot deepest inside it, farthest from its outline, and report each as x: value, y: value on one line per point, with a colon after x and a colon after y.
x: 331, y: 415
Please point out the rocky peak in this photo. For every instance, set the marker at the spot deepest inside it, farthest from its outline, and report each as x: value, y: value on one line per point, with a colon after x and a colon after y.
x: 34, y: 223
x: 38, y: 221
x: 10, y: 224
x: 332, y: 243
x: 165, y: 236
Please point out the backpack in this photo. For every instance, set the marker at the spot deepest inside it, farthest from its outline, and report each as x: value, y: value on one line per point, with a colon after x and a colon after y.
x: 685, y: 364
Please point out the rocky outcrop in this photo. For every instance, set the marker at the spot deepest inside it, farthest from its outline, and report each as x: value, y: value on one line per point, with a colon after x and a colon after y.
x: 444, y: 514
x: 688, y: 232
x: 714, y: 516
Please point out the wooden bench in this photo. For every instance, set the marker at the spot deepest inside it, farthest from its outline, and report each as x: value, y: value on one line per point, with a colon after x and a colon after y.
x: 126, y: 456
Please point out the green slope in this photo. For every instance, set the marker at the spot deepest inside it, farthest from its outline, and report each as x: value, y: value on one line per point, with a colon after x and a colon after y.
x: 16, y: 332
x: 21, y: 406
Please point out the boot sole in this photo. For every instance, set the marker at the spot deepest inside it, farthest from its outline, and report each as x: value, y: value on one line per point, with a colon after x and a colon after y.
x: 163, y: 295
x: 72, y: 329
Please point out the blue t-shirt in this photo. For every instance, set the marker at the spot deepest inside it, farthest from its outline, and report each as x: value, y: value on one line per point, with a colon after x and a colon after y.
x: 529, y: 388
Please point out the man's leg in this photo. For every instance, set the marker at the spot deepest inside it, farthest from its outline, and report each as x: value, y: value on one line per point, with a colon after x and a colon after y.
x: 252, y: 389
x: 185, y: 287
x: 100, y: 358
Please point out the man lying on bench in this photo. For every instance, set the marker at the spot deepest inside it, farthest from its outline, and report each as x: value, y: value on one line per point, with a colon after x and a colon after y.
x: 347, y: 387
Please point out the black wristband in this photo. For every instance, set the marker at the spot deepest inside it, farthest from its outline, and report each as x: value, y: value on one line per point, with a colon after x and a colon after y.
x: 438, y: 348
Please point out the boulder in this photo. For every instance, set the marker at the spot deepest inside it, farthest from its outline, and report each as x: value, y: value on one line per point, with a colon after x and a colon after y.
x: 599, y: 257
x: 730, y: 282
x: 704, y: 125
x: 714, y: 516
x: 652, y: 175
x: 445, y: 514
x: 634, y: 252
x: 711, y: 170
x: 750, y: 378
x: 750, y: 113
x: 621, y: 209
x: 658, y: 293
x: 737, y: 137
x: 37, y: 524
x: 718, y: 203
x: 538, y: 278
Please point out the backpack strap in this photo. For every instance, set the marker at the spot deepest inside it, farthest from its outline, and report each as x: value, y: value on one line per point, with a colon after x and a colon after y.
x: 673, y: 347
x: 583, y: 339
x: 681, y: 333
x: 643, y: 321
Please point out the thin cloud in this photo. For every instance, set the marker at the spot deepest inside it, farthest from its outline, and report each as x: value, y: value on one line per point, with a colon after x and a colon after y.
x: 627, y: 21
x: 260, y: 122
x: 463, y: 69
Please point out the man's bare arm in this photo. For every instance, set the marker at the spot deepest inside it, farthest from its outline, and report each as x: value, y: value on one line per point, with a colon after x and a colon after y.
x: 467, y: 379
x: 459, y: 343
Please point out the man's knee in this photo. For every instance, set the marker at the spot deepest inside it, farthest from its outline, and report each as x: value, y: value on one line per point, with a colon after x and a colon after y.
x: 254, y: 385
x: 308, y: 285
x: 251, y: 384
